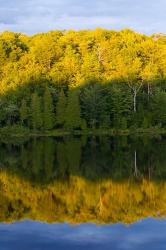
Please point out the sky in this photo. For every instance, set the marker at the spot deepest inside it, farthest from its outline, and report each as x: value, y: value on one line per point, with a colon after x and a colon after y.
x: 33, y: 16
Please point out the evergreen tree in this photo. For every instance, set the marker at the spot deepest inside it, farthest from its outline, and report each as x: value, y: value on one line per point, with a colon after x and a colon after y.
x: 48, y: 115
x: 159, y: 109
x: 72, y: 117
x: 36, y: 112
x: 120, y: 106
x: 61, y: 108
x: 94, y: 104
x: 24, y: 112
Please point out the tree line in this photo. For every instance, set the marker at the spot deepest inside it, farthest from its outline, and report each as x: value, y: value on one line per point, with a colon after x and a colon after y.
x: 84, y: 79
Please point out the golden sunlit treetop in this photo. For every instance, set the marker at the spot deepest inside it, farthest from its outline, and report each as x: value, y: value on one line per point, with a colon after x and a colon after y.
x: 117, y: 79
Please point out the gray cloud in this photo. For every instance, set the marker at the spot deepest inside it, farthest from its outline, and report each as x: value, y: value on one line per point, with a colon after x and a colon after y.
x: 31, y: 16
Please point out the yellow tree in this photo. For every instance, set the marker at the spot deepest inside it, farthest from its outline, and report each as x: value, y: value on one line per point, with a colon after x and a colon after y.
x: 129, y: 69
x: 151, y: 56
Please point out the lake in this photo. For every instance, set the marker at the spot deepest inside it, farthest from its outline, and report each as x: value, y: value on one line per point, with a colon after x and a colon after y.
x: 83, y: 192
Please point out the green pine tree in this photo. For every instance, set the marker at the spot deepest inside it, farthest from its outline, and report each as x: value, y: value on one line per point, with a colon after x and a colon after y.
x: 24, y: 112
x: 94, y: 104
x: 36, y: 112
x: 120, y: 107
x: 61, y: 108
x: 72, y: 117
x: 48, y: 115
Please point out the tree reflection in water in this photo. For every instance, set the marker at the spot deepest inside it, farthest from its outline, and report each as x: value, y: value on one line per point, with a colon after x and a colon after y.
x: 78, y: 179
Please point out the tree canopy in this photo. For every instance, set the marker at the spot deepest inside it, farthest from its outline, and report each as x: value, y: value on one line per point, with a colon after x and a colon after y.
x: 101, y: 78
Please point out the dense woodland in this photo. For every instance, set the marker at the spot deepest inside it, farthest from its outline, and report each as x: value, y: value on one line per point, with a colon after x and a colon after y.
x: 86, y: 79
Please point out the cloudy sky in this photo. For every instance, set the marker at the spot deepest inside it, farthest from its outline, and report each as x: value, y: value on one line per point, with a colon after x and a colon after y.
x: 32, y: 16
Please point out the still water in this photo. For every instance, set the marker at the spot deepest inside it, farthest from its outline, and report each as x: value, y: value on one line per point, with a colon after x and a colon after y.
x: 83, y: 193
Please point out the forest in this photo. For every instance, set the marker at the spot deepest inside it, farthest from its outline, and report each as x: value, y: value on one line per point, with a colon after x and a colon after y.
x: 80, y: 80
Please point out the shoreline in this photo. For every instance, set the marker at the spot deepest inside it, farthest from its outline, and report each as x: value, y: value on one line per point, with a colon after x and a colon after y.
x: 21, y: 133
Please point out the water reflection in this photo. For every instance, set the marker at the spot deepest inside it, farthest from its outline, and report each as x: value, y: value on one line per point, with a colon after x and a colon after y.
x: 27, y: 235
x: 83, y: 179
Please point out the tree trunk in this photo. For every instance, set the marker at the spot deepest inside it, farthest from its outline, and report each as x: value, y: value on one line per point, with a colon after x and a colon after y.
x: 135, y: 100
x: 148, y: 91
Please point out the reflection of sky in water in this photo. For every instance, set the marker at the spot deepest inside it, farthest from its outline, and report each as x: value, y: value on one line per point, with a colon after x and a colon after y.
x: 148, y: 234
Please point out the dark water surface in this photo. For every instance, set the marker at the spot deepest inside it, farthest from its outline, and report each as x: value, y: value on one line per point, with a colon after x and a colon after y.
x: 83, y: 193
